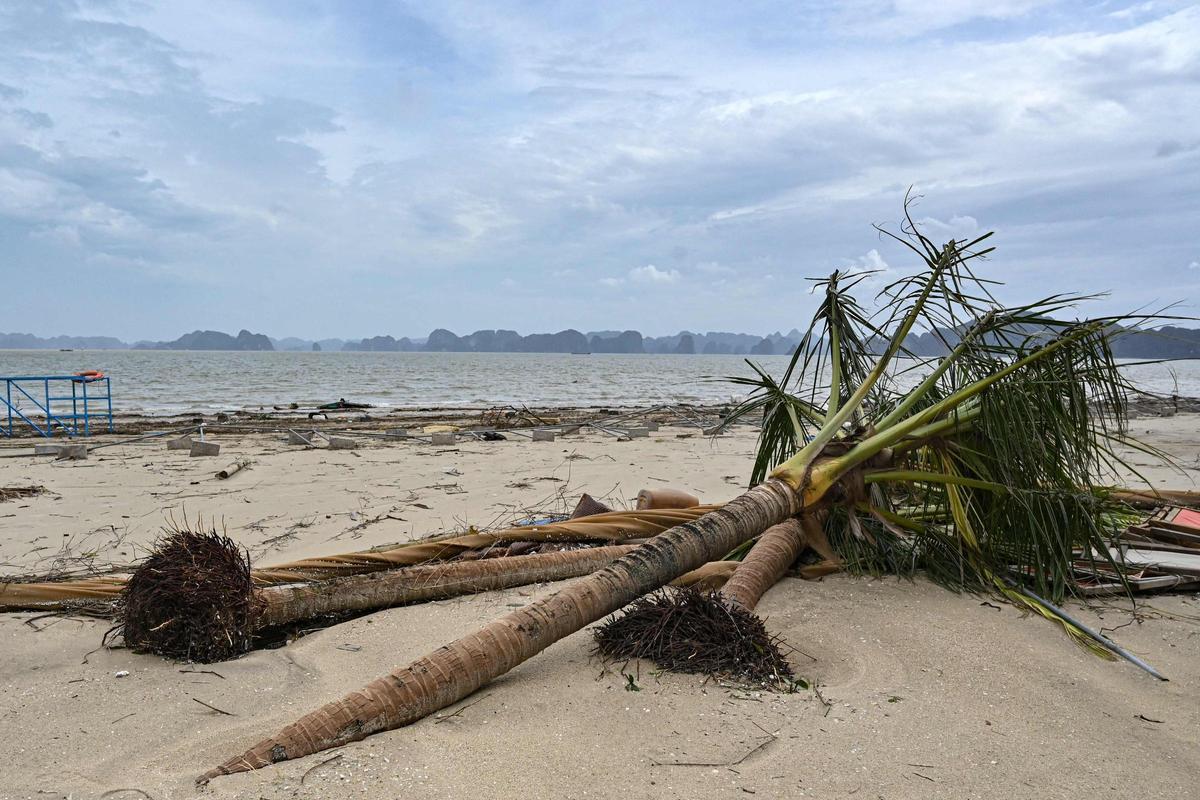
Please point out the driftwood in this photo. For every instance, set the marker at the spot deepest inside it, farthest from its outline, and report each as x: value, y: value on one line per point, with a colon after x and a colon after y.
x: 233, y: 469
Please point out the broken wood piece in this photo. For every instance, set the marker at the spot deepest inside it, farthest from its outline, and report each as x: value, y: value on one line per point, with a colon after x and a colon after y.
x: 232, y: 469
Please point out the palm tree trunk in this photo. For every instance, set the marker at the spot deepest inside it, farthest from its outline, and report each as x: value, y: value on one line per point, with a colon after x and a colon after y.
x: 776, y: 550
x: 282, y: 605
x: 456, y: 670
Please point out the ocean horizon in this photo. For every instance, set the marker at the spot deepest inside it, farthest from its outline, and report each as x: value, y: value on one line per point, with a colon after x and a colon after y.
x: 165, y: 382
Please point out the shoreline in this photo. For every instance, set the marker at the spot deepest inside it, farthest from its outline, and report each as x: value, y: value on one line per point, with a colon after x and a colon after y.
x: 470, y: 417
x: 476, y: 417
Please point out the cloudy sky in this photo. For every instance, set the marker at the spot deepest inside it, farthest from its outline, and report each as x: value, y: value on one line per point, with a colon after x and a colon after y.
x: 356, y: 168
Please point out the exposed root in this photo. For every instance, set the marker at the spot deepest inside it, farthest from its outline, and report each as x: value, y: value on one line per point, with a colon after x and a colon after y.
x: 191, y: 599
x: 683, y: 630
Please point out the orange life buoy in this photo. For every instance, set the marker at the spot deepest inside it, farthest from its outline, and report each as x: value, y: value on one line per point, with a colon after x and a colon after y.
x: 90, y: 375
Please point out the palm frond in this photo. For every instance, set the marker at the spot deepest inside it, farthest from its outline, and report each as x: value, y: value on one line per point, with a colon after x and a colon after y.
x: 991, y: 467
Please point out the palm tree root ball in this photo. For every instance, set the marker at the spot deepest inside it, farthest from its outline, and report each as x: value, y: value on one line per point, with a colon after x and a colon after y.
x: 192, y: 599
x: 683, y: 630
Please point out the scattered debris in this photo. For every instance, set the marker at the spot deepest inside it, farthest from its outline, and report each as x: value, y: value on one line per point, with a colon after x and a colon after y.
x: 13, y: 492
x: 1160, y: 552
x: 461, y: 709
x: 233, y: 469
x: 317, y: 766
x: 666, y: 498
x: 214, y: 708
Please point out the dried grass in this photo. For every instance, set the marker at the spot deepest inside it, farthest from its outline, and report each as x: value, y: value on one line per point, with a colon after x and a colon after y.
x: 14, y: 492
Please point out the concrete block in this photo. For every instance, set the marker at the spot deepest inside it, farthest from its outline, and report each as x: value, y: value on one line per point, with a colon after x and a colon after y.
x: 342, y: 443
x: 75, y: 452
x: 46, y: 449
x: 204, y: 449
x: 543, y: 436
x: 298, y: 438
x: 651, y: 426
x: 182, y: 443
x: 444, y: 438
x: 634, y: 433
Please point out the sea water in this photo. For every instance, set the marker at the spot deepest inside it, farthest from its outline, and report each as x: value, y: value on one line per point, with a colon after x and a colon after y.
x: 162, y: 382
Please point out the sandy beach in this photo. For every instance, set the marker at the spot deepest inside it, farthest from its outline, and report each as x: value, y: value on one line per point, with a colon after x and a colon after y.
x: 920, y: 692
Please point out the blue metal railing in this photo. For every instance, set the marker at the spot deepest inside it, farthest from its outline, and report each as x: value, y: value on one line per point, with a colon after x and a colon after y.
x: 22, y: 404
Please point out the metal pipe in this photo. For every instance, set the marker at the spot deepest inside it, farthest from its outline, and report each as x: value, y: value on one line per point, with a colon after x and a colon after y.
x: 143, y: 438
x: 1101, y: 639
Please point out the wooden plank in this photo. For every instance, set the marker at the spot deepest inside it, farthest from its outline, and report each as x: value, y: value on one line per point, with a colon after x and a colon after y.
x: 1159, y: 534
x: 1180, y: 532
x: 1174, y: 563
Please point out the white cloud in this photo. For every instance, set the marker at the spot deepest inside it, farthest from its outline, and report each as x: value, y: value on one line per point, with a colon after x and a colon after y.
x: 910, y: 18
x: 418, y: 156
x: 959, y: 226
x: 871, y: 260
x: 1194, y: 265
x: 652, y: 274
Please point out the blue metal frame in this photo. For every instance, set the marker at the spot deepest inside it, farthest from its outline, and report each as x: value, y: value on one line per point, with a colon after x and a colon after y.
x: 77, y: 422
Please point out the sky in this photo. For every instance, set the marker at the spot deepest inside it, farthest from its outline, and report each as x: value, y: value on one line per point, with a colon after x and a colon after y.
x: 348, y: 169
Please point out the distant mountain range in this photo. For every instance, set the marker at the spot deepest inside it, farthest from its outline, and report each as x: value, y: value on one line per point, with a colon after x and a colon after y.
x: 212, y: 340
x: 1168, y: 342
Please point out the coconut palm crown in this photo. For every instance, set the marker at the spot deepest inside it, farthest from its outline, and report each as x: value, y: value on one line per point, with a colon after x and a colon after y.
x: 990, y: 472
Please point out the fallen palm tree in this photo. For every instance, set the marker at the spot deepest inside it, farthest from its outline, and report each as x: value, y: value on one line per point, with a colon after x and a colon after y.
x: 983, y: 474
x: 612, y: 527
x: 194, y: 597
